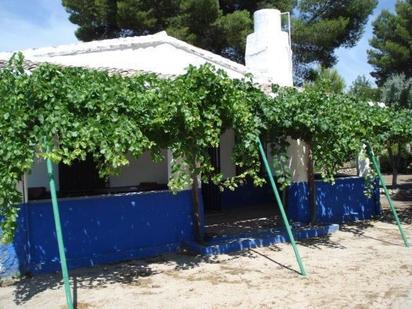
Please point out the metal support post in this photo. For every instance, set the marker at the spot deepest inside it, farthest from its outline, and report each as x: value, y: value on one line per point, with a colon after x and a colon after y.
x: 59, y: 233
x: 282, y: 210
x: 376, y: 166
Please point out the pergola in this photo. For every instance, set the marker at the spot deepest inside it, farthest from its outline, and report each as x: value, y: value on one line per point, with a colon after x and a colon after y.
x: 59, y: 232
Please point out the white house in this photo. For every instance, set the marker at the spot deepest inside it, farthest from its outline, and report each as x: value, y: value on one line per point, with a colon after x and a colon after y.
x: 268, y: 58
x: 102, y: 228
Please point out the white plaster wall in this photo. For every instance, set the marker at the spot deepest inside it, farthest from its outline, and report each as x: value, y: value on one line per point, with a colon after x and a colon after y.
x: 38, y: 176
x: 298, y: 160
x: 227, y: 142
x: 228, y: 168
x: 140, y: 170
x: 363, y: 163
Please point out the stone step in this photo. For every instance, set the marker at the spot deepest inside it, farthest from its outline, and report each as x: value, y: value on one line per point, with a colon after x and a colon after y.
x: 237, y: 242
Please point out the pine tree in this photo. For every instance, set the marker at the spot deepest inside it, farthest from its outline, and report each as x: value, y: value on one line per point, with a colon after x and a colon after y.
x: 318, y: 27
x: 327, y: 79
x: 392, y: 42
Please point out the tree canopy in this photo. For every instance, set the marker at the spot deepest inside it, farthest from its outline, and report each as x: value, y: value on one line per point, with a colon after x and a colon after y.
x: 327, y: 79
x: 318, y: 27
x: 391, y: 43
x: 363, y: 89
x: 397, y: 91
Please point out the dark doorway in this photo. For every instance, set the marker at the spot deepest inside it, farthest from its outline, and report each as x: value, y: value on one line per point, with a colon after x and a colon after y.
x: 210, y: 192
x: 79, y: 178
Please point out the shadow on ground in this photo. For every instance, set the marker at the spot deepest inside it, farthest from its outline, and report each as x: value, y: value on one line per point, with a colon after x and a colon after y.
x: 403, y: 209
x: 404, y: 214
x: 406, y: 185
x: 125, y: 273
x: 138, y: 272
x: 130, y: 273
x: 243, y: 220
x: 320, y: 242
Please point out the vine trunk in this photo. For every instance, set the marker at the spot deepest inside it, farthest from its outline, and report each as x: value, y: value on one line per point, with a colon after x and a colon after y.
x: 196, y: 209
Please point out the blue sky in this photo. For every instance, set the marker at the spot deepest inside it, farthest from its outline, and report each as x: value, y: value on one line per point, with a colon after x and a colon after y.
x: 37, y: 23
x: 33, y: 23
x: 354, y: 61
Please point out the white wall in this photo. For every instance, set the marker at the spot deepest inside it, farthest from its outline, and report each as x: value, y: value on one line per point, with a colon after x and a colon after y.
x: 140, y: 170
x: 38, y: 175
x: 363, y: 163
x: 298, y: 160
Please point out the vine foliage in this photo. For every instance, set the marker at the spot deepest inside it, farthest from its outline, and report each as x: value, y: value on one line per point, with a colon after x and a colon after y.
x: 81, y: 112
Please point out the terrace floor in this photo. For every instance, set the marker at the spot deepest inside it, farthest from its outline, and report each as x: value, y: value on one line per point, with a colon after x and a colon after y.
x: 242, y: 220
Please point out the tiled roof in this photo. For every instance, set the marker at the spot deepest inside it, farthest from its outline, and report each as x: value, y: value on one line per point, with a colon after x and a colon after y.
x: 30, y: 65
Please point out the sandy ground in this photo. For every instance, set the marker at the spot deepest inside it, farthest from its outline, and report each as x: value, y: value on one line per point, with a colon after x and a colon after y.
x: 364, y: 265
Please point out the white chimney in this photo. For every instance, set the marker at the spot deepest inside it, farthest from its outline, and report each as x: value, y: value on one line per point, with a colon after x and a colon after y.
x: 269, y: 58
x: 268, y: 52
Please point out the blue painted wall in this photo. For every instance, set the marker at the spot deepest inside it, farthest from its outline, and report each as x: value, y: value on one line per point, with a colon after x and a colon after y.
x: 106, y: 229
x: 341, y: 202
x: 99, y: 230
x: 9, y: 263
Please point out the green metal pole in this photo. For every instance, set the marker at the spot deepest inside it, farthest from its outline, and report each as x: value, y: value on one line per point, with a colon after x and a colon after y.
x: 376, y: 166
x: 282, y: 210
x: 59, y: 234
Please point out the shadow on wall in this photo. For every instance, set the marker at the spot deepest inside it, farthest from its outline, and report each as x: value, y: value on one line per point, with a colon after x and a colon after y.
x: 341, y: 202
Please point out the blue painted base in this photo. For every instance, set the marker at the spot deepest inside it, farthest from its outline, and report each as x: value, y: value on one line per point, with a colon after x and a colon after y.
x: 9, y: 262
x: 264, y: 238
x: 106, y: 229
x: 98, y: 230
x: 341, y: 202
